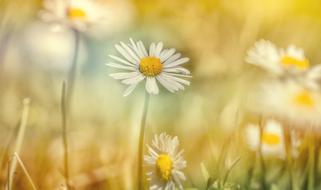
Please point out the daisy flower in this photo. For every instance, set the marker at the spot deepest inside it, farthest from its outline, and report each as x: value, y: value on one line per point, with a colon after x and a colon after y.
x: 278, y: 61
x: 79, y: 14
x: 272, y: 138
x: 288, y: 100
x: 165, y: 163
x: 157, y: 65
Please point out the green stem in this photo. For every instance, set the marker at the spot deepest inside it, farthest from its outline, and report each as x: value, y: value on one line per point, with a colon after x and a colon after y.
x: 140, y: 176
x: 288, y: 147
x: 311, y: 161
x: 66, y: 103
x: 250, y: 171
x: 263, y: 169
x: 64, y: 134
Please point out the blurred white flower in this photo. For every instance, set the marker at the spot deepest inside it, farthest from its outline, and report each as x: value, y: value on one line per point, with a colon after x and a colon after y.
x: 288, y: 100
x: 162, y: 65
x: 312, y: 78
x: 165, y: 163
x: 278, y: 61
x: 87, y: 14
x: 51, y: 50
x: 272, y: 138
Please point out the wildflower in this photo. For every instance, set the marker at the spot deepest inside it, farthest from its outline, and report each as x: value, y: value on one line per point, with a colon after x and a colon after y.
x: 78, y: 14
x: 277, y: 61
x: 156, y: 65
x: 272, y: 138
x: 288, y: 100
x: 165, y: 163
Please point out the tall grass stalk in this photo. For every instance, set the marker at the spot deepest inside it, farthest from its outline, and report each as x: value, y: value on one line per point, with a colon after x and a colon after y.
x: 229, y: 169
x: 262, y: 162
x: 311, y: 160
x: 25, y: 171
x: 19, y: 141
x: 140, y: 176
x: 289, y: 159
x: 64, y: 134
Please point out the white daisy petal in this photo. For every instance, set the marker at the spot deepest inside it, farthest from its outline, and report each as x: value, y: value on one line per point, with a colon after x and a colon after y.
x: 125, y: 54
x: 166, y: 54
x: 177, y: 70
x: 121, y: 60
x: 172, y: 58
x: 152, y: 49
x: 177, y: 62
x: 137, y: 49
x: 134, y: 80
x: 130, y: 52
x: 158, y: 49
x: 151, y: 85
x: 173, y: 82
x: 180, y: 75
x: 119, y: 66
x: 124, y: 75
x: 142, y: 48
x: 169, y: 86
x: 185, y: 82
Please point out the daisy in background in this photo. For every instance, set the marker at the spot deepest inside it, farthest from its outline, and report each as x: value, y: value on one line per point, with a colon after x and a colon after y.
x: 165, y: 163
x: 277, y: 61
x: 77, y: 14
x: 289, y: 101
x: 154, y: 65
x: 273, y: 143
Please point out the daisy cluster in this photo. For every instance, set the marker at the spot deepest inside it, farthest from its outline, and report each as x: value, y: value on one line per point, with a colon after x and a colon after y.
x: 293, y: 93
x: 291, y: 97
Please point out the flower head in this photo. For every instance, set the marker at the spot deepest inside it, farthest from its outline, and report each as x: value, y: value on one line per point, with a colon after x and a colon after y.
x: 78, y: 14
x: 278, y: 61
x: 272, y: 138
x: 165, y: 163
x: 157, y: 65
x: 288, y: 100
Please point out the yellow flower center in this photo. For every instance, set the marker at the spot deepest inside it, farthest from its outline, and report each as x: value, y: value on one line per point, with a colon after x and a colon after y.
x: 76, y: 13
x: 293, y: 62
x: 164, y: 166
x: 304, y: 98
x: 150, y: 66
x: 270, y: 139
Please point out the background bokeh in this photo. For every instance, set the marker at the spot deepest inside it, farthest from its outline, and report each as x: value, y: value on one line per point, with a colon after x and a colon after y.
x: 103, y: 125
